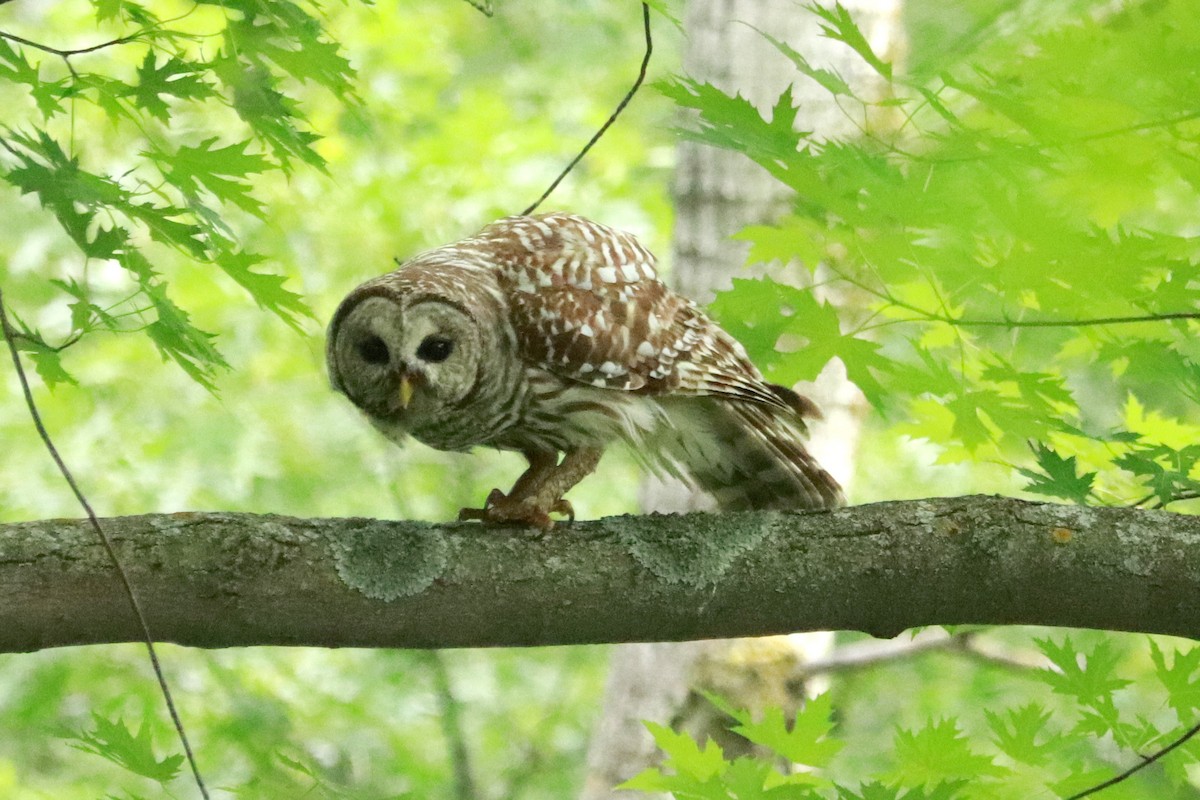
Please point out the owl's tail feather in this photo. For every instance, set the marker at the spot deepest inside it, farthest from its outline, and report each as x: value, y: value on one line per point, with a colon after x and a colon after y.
x: 748, y: 455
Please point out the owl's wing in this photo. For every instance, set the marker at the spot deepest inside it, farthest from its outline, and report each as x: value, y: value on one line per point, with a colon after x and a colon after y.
x: 587, y: 305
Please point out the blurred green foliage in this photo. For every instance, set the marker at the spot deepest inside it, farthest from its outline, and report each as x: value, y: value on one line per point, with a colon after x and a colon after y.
x: 1032, y: 161
x: 1016, y: 225
x: 452, y: 119
x: 964, y: 725
x: 1013, y: 227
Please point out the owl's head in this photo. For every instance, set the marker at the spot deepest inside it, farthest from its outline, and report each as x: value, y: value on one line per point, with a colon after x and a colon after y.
x: 402, y: 358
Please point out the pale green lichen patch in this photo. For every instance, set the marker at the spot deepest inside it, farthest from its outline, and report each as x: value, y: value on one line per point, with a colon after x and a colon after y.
x: 385, y: 562
x: 697, y: 554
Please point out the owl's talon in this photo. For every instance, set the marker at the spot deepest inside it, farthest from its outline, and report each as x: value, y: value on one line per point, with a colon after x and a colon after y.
x: 516, y: 514
x: 501, y: 509
x: 495, y: 499
x: 564, y: 507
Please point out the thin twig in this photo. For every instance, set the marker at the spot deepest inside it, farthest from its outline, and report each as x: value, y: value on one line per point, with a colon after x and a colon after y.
x: 924, y: 315
x: 39, y: 342
x: 1184, y: 495
x: 637, y: 84
x: 966, y: 322
x: 871, y: 653
x: 68, y: 53
x: 1147, y: 761
x: 108, y: 546
x: 456, y: 740
x: 977, y: 649
x: 1065, y: 323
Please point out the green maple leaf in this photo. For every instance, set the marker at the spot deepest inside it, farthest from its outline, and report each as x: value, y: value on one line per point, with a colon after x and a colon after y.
x: 173, y: 78
x: 1043, y: 392
x: 791, y: 336
x: 138, y: 265
x: 1166, y: 470
x: 1057, y: 476
x: 315, y: 60
x: 220, y: 170
x: 732, y: 121
x: 46, y: 360
x: 1081, y: 779
x: 1089, y: 679
x: 697, y: 771
x: 124, y: 9
x: 834, y: 83
x: 685, y: 756
x: 107, y: 94
x: 793, y: 238
x: 57, y: 178
x: 807, y: 741
x: 267, y: 111
x: 755, y: 778
x: 1021, y: 734
x: 947, y: 790
x: 71, y: 193
x: 112, y: 739
x: 284, y: 33
x: 840, y: 26
x: 15, y: 67
x: 266, y: 289
x: 176, y: 338
x: 84, y: 313
x: 940, y: 751
x: 970, y: 427
x: 929, y: 376
x: 165, y: 226
x: 48, y: 95
x: 1181, y: 679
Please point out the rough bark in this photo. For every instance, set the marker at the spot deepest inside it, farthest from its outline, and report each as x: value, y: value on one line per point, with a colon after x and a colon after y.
x: 221, y: 580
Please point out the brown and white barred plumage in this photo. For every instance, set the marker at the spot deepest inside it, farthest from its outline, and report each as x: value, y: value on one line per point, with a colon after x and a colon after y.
x: 563, y: 340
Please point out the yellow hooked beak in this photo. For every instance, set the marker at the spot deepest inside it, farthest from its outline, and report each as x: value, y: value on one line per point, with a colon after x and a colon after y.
x: 406, y: 391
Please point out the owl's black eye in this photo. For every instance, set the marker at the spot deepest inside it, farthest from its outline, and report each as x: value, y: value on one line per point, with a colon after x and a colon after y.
x: 373, y: 350
x: 435, y: 349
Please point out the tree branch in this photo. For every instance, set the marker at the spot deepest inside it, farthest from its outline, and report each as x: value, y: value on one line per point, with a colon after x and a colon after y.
x: 223, y: 579
x: 66, y: 54
x: 874, y: 652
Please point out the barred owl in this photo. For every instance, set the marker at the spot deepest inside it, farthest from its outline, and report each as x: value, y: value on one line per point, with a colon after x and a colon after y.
x: 552, y: 335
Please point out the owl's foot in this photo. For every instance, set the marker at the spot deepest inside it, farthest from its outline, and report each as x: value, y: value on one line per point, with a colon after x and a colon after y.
x: 502, y: 509
x: 538, y: 493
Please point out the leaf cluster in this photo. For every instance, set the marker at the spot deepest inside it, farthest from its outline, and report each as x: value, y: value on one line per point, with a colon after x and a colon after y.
x: 447, y: 91
x: 1028, y: 747
x: 205, y: 107
x: 692, y: 771
x: 1009, y: 238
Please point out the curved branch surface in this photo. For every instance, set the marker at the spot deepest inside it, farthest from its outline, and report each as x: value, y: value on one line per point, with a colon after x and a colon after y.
x: 225, y: 579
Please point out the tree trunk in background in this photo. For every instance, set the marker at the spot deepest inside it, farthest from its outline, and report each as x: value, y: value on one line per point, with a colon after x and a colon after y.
x: 717, y: 193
